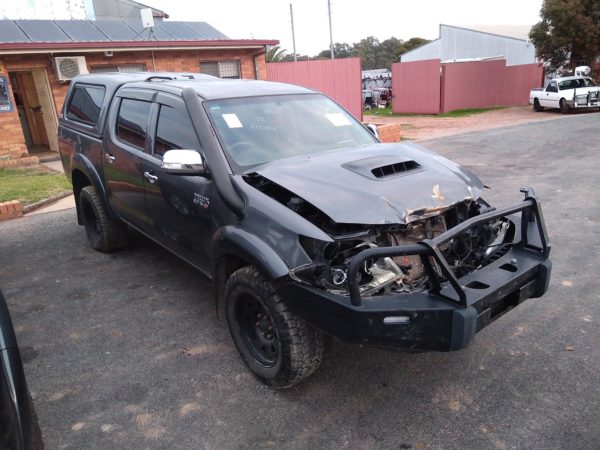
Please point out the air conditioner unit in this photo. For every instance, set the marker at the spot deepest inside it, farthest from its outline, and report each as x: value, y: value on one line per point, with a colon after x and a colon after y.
x: 68, y: 67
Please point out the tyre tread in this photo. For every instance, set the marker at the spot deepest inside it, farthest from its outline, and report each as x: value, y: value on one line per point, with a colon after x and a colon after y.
x: 113, y: 233
x: 302, y: 345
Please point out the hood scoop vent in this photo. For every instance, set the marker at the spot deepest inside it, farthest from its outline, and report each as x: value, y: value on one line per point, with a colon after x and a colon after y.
x: 395, y: 169
x: 382, y: 166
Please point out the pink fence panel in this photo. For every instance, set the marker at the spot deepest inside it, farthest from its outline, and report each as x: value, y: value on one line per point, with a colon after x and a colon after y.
x: 481, y: 84
x: 416, y: 87
x: 519, y: 81
x: 477, y: 84
x: 340, y: 79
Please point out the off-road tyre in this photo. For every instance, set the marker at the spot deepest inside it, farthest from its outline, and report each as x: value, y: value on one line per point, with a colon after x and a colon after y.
x: 564, y: 108
x: 104, y: 233
x: 536, y: 106
x: 295, y: 348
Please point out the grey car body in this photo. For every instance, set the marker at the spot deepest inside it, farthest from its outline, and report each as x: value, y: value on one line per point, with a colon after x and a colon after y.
x: 305, y: 222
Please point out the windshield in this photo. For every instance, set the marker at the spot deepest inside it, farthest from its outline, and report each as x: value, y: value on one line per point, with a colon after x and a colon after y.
x: 257, y: 130
x: 574, y: 84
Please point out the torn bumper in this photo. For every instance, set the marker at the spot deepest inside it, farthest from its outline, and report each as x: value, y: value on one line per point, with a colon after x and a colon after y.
x: 447, y: 317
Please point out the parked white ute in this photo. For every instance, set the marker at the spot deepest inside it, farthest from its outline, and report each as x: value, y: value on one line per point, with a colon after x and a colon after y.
x: 566, y: 93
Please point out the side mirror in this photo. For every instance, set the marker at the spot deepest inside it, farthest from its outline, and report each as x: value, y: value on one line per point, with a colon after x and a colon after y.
x: 183, y: 162
x: 373, y: 129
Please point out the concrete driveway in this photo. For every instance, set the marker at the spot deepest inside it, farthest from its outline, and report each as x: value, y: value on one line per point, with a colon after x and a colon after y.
x: 124, y: 350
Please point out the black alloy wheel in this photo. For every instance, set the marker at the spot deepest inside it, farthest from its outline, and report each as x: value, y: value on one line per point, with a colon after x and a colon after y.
x: 257, y: 330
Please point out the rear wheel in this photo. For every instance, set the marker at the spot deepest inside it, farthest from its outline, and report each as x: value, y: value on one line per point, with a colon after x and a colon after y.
x: 104, y: 233
x: 564, y: 107
x: 536, y: 105
x: 278, y: 347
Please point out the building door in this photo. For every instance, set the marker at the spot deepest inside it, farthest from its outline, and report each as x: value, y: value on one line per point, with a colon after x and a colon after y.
x: 28, y: 104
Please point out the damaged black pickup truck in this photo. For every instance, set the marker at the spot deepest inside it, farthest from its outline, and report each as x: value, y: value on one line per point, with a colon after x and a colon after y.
x: 306, y: 223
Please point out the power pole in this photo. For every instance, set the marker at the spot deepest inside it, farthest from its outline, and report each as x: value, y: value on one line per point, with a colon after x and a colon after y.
x: 330, y: 32
x: 293, y: 34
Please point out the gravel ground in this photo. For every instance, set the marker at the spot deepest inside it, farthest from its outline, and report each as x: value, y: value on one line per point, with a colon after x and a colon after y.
x: 431, y: 127
x: 124, y: 350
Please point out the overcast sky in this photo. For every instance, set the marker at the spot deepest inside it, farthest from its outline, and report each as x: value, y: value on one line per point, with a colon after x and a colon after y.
x: 352, y: 20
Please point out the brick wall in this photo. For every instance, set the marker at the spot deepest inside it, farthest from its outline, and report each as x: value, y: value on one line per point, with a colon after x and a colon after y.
x: 10, y: 209
x: 12, y: 142
x: 389, y: 132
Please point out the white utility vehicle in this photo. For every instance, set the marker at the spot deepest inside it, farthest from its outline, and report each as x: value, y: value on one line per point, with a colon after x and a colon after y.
x: 566, y: 93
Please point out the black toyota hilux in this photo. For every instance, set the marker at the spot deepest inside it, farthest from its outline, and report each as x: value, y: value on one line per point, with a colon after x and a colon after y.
x: 306, y: 223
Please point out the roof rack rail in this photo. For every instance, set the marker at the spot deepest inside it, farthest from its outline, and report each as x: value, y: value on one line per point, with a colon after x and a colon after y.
x: 159, y: 77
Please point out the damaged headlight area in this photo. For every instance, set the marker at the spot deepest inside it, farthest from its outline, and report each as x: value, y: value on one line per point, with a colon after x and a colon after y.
x: 403, y: 274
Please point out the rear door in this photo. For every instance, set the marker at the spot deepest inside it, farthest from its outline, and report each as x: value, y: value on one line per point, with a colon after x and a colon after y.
x: 126, y: 143
x: 179, y: 207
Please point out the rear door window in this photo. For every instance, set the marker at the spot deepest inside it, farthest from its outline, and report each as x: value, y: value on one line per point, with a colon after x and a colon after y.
x: 132, y: 122
x: 174, y: 131
x: 85, y: 104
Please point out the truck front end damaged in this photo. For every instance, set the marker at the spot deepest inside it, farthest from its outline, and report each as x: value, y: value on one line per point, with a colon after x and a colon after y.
x: 430, y: 293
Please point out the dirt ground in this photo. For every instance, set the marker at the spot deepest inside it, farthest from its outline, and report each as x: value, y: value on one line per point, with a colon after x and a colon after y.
x: 431, y: 127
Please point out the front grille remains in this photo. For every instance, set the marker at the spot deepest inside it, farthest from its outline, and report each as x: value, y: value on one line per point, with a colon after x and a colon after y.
x: 395, y: 169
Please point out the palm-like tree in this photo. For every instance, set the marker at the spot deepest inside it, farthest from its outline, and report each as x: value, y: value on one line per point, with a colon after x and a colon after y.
x: 276, y: 54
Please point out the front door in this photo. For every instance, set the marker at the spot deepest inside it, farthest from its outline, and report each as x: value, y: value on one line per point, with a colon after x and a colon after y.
x: 26, y: 93
x: 550, y: 98
x: 125, y: 146
x: 179, y: 207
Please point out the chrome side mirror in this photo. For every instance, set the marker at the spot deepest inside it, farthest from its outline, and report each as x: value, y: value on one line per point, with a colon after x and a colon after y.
x: 373, y: 129
x: 183, y: 162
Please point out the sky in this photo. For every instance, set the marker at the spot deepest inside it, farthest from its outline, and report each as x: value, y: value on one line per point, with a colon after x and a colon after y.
x: 352, y: 20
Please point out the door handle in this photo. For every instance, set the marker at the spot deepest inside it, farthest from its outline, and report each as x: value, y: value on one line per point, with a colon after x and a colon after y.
x: 109, y: 158
x: 151, y: 177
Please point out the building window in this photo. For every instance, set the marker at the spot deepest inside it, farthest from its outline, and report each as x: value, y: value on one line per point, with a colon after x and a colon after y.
x: 119, y: 68
x: 221, y: 69
x: 132, y: 122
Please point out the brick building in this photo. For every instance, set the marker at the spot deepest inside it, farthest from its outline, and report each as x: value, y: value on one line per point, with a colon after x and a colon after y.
x: 38, y: 57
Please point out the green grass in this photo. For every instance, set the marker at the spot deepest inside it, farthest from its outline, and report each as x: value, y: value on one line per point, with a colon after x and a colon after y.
x: 30, y: 185
x: 470, y: 112
x: 387, y: 112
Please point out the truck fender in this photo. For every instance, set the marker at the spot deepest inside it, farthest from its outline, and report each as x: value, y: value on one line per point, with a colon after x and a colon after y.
x: 80, y: 162
x: 231, y: 241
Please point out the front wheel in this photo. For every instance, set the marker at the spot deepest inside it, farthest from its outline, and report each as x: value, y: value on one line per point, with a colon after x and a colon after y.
x: 278, y: 347
x: 564, y: 107
x: 104, y: 233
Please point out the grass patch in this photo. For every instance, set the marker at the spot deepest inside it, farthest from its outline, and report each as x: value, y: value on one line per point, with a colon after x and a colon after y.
x: 387, y: 112
x: 470, y: 112
x: 383, y: 112
x: 31, y: 184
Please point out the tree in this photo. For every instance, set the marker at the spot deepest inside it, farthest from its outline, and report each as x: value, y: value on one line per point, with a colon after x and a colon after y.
x: 374, y: 54
x: 568, y: 34
x: 278, y: 54
x: 340, y: 50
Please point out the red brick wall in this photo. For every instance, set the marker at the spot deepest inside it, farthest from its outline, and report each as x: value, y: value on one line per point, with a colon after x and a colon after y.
x: 12, y: 142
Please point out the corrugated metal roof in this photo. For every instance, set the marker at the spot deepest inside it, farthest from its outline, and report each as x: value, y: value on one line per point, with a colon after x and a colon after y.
x: 47, y: 31
x: 122, y: 9
x: 514, y: 31
x: 456, y: 43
